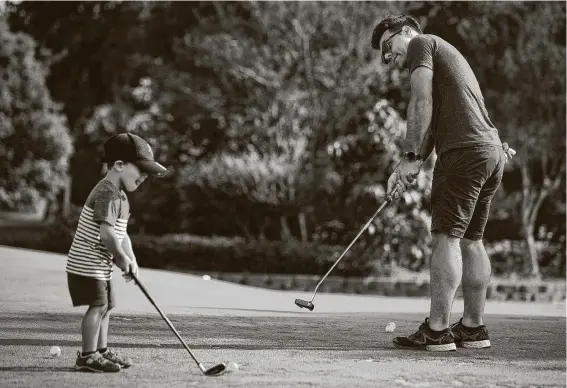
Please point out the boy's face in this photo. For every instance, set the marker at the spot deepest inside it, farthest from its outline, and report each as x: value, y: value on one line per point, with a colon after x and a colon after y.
x: 130, y: 175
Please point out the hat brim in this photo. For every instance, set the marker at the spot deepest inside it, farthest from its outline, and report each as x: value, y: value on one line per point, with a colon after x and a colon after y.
x: 152, y: 167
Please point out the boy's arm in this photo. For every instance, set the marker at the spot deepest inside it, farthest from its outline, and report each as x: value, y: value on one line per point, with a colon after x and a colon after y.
x: 127, y: 247
x: 110, y: 241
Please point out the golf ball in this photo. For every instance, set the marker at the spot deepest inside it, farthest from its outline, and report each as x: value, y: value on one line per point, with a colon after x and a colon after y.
x: 55, y: 351
x: 390, y: 327
x: 206, y: 277
x: 232, y: 367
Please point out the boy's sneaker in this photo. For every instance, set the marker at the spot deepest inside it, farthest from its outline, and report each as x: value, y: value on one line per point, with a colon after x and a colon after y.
x: 95, y: 363
x: 470, y: 337
x: 425, y: 338
x: 124, y: 362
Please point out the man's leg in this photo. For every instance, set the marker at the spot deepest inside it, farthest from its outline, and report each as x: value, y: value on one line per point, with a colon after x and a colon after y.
x: 446, y: 270
x: 476, y: 276
x: 470, y: 331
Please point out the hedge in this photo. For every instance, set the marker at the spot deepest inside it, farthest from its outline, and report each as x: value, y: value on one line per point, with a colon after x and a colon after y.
x: 194, y: 253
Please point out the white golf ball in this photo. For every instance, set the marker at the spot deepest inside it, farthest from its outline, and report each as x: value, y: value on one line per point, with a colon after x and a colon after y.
x: 206, y: 277
x: 390, y: 327
x: 232, y: 366
x: 55, y: 351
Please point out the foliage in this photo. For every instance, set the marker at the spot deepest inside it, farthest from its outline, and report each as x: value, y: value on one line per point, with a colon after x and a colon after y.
x: 35, y: 144
x: 279, y: 123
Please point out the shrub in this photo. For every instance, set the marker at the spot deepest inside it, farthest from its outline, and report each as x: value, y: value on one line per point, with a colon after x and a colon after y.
x: 236, y: 255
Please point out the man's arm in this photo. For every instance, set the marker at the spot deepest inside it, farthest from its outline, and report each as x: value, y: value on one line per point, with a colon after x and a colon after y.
x: 419, y: 138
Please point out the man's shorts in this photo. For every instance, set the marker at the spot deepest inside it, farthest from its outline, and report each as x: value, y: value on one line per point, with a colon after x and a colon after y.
x: 90, y: 291
x: 464, y: 183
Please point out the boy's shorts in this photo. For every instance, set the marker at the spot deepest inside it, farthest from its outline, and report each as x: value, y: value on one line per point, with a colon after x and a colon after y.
x: 90, y: 291
x: 464, y: 183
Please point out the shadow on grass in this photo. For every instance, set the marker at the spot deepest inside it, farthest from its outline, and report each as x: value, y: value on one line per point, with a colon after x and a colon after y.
x: 28, y: 369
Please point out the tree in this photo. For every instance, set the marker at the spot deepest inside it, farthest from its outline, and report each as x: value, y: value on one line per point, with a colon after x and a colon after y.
x: 517, y: 51
x: 35, y: 144
x: 528, y: 104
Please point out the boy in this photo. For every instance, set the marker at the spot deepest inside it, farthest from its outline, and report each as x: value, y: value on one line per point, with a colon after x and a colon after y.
x: 100, y: 239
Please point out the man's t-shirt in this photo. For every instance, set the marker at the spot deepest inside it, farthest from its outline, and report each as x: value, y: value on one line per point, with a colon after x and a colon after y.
x: 88, y: 256
x: 459, y: 116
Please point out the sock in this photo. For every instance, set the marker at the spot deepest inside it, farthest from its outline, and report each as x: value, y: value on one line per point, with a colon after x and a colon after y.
x: 102, y: 350
x: 86, y: 354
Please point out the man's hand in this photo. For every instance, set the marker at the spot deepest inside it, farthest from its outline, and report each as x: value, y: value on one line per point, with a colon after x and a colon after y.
x: 403, y: 177
x: 509, y: 152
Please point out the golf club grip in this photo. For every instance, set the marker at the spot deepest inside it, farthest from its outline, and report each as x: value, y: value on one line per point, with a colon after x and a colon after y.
x: 137, y: 281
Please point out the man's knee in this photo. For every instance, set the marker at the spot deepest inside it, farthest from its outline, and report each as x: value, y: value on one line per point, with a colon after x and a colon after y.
x: 473, y: 248
x: 99, y: 310
x: 441, y: 239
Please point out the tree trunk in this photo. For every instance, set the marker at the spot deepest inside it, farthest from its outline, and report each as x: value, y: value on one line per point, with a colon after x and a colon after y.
x: 286, y: 232
x: 262, y: 232
x: 66, y: 203
x: 532, y: 250
x: 303, y: 227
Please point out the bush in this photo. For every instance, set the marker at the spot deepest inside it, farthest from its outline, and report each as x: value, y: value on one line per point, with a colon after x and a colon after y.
x: 192, y: 253
x: 509, y: 257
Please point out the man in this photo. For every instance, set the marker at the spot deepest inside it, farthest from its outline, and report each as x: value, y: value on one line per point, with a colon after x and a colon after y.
x: 446, y: 111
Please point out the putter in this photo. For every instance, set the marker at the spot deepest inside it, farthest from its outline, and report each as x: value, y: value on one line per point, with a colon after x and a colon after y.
x: 216, y: 370
x: 309, y: 304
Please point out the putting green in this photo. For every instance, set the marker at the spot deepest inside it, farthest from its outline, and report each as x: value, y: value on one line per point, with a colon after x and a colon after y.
x: 341, y: 345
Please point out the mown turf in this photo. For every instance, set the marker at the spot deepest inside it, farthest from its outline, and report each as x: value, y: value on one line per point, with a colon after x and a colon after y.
x: 309, y: 351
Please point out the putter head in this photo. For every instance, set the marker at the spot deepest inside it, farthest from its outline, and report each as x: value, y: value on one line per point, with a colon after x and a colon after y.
x: 305, y: 304
x: 216, y: 370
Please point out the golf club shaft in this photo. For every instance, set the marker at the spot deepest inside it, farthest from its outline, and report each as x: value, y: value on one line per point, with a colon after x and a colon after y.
x: 137, y: 281
x: 388, y: 199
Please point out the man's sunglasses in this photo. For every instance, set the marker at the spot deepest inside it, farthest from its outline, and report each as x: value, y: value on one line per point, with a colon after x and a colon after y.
x: 387, y: 48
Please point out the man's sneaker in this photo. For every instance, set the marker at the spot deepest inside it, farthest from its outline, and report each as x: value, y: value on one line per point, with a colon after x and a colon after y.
x: 470, y: 337
x: 124, y: 362
x: 425, y: 338
x: 95, y: 363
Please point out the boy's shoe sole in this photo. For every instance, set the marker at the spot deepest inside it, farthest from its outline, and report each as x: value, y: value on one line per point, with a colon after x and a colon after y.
x: 95, y: 364
x: 114, y: 357
x: 93, y: 370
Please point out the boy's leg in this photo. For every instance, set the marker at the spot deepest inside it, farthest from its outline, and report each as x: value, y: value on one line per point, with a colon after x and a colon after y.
x: 91, y: 292
x: 90, y: 328
x: 102, y: 345
x: 103, y: 332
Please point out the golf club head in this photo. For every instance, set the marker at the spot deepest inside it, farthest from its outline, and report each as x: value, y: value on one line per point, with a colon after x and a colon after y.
x: 216, y: 370
x: 305, y: 304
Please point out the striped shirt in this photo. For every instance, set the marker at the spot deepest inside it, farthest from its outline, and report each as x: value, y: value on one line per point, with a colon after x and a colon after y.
x: 88, y: 256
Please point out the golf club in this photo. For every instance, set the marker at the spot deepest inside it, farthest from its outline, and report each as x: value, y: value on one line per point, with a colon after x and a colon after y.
x: 309, y: 304
x: 213, y: 371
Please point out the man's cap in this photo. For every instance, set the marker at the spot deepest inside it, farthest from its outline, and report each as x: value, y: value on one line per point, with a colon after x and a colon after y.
x: 131, y: 148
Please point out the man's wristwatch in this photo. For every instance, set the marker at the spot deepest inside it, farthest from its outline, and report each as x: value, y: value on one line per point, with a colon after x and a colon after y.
x: 412, y: 157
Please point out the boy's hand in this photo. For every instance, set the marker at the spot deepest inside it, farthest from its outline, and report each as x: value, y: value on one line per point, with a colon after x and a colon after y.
x: 124, y: 263
x: 133, y: 270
